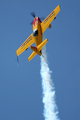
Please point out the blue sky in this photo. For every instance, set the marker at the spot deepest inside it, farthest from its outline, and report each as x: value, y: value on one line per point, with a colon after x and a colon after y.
x: 20, y: 85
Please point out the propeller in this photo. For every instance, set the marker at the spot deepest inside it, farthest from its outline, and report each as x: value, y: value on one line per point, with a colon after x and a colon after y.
x: 31, y: 23
x: 42, y: 18
x: 33, y: 14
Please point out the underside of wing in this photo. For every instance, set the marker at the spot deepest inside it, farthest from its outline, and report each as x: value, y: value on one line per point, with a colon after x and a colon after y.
x: 49, y: 18
x: 28, y: 42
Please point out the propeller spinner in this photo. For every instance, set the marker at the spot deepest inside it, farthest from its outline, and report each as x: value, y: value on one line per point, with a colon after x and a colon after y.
x: 33, y: 14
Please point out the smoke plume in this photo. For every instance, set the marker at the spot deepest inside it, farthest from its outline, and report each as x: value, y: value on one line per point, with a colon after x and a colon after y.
x: 50, y: 108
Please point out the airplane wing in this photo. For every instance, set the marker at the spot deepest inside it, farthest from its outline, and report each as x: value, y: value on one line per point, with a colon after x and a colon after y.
x: 28, y: 42
x: 49, y: 18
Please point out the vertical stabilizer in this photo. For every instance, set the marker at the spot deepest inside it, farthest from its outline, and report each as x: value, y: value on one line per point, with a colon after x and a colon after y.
x: 37, y: 50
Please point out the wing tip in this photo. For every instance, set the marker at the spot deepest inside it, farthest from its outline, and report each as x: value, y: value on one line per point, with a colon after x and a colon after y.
x: 16, y: 52
x: 59, y: 6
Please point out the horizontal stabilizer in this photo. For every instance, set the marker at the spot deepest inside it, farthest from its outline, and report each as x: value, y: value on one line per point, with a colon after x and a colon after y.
x: 39, y: 47
x: 32, y: 55
x: 37, y: 50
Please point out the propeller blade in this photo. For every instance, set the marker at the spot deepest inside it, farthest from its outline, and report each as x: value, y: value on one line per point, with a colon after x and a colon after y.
x: 42, y: 18
x: 33, y: 14
x: 31, y: 23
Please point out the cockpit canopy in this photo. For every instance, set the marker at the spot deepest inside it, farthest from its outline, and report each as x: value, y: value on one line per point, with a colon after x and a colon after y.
x: 35, y: 32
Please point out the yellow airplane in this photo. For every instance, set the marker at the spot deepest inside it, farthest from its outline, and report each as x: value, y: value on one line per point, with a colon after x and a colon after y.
x: 37, y: 35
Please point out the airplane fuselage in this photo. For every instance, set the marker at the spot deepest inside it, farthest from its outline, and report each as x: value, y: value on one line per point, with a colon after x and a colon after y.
x: 37, y: 32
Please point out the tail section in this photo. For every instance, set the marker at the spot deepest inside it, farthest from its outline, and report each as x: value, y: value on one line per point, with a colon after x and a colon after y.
x: 37, y: 50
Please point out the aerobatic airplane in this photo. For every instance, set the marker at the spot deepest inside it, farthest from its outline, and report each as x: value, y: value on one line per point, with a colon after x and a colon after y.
x: 37, y: 35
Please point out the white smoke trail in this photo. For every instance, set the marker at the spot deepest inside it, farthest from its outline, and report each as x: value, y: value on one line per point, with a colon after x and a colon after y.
x: 50, y: 108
